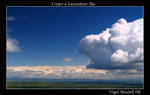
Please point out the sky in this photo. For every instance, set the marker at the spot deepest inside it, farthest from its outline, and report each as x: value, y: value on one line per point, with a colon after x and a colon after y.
x: 52, y: 36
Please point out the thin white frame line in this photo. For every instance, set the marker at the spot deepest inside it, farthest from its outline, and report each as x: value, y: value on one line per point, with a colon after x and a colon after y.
x: 73, y: 6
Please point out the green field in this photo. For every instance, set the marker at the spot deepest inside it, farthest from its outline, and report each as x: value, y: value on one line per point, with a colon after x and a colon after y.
x: 65, y: 85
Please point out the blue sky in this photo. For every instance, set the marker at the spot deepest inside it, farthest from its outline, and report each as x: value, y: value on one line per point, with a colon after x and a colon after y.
x: 48, y: 35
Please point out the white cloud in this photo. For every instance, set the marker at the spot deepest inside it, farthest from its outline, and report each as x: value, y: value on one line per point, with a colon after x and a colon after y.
x: 120, y: 56
x: 10, y: 18
x: 69, y: 72
x: 118, y: 47
x: 67, y: 59
x: 12, y: 45
x: 25, y: 16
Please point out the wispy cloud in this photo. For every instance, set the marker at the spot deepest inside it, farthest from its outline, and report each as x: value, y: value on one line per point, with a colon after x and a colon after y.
x: 10, y: 18
x: 24, y: 16
x: 9, y: 30
x: 67, y: 59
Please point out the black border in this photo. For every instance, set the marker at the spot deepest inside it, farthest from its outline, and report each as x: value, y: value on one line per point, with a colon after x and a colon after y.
x: 98, y: 2
x: 4, y: 3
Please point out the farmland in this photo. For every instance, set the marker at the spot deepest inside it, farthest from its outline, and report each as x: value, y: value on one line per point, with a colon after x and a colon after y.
x: 66, y: 85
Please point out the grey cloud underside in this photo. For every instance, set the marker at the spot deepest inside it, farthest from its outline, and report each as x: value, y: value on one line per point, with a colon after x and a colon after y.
x: 118, y: 47
x: 114, y: 66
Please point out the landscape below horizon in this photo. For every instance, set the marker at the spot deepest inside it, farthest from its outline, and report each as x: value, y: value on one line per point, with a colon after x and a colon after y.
x: 71, y: 83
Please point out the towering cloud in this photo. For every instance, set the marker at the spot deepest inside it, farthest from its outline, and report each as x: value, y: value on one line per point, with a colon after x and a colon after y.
x: 118, y: 47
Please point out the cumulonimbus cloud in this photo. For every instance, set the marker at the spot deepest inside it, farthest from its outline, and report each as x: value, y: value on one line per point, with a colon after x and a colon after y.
x: 118, y: 47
